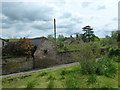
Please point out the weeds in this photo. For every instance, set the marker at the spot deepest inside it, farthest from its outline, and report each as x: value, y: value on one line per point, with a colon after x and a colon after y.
x: 72, y: 83
x: 51, y: 77
x: 50, y: 84
x: 31, y: 84
x: 92, y: 79
x: 42, y: 74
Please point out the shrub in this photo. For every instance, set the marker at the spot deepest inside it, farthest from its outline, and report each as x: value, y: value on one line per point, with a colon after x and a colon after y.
x: 114, y: 52
x: 87, y: 59
x: 50, y: 84
x: 105, y: 66
x: 31, y: 84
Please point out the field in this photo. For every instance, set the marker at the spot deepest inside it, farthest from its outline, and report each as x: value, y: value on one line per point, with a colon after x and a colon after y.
x: 69, y: 77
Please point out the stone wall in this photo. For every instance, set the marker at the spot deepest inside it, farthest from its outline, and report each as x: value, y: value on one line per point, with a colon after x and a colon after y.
x: 41, y: 59
x: 66, y: 57
x: 13, y: 65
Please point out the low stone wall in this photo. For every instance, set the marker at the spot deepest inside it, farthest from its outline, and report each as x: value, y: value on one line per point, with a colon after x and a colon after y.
x: 13, y: 65
x: 67, y: 57
x: 55, y: 59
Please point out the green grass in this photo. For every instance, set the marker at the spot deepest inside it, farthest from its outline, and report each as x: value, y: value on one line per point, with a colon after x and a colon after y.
x: 69, y: 77
x: 71, y: 47
x: 12, y: 40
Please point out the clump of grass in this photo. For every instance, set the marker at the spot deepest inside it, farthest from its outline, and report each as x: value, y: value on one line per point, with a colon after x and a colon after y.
x: 62, y: 77
x: 72, y: 83
x: 92, y: 79
x: 63, y: 72
x: 50, y: 84
x: 42, y: 74
x: 51, y: 77
x: 31, y: 84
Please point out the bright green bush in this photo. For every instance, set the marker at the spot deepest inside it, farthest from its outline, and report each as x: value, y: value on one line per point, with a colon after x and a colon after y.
x: 87, y: 58
x: 105, y: 66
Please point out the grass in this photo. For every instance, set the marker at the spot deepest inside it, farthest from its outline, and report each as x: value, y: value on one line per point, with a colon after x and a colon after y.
x: 68, y: 77
x: 71, y: 47
x: 12, y: 40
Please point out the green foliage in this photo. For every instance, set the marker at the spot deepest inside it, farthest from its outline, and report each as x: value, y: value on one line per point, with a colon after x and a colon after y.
x: 50, y: 77
x: 92, y: 79
x: 63, y: 72
x: 105, y: 66
x: 72, y: 79
x: 87, y: 58
x: 62, y: 77
x: 72, y: 83
x: 50, y: 84
x: 89, y: 34
x: 114, y: 52
x: 42, y: 74
x: 31, y: 84
x: 60, y: 39
x: 109, y: 42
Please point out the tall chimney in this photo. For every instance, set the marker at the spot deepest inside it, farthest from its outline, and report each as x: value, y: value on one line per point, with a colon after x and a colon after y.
x: 55, y: 29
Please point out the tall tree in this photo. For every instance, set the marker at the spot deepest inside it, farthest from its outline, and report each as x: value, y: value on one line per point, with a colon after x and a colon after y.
x: 89, y: 34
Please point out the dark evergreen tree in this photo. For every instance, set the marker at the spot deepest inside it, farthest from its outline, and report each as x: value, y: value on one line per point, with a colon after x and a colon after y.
x: 89, y: 34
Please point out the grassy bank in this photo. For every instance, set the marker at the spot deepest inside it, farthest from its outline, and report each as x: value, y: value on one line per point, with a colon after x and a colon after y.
x: 69, y: 77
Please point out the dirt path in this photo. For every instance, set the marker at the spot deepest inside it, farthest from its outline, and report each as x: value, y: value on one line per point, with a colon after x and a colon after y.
x: 46, y: 69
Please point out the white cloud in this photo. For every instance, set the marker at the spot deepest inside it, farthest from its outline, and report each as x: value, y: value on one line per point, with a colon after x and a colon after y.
x: 36, y: 19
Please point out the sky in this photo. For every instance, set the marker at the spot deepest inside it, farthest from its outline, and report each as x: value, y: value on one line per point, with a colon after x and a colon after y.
x: 35, y: 19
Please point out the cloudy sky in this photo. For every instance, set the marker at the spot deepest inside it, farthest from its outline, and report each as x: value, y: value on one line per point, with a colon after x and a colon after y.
x: 35, y: 19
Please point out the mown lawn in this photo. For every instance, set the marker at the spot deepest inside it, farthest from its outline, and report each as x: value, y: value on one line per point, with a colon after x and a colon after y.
x: 69, y: 77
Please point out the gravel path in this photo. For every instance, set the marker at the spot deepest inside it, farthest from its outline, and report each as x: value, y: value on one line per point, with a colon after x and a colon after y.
x: 37, y: 70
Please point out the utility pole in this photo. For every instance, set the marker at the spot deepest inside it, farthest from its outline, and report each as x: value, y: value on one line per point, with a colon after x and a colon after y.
x: 55, y: 29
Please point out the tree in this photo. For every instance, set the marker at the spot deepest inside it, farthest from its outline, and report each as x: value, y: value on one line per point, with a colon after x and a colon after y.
x: 89, y: 34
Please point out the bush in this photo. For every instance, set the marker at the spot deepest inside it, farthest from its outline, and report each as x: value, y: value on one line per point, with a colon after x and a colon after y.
x: 105, y: 66
x: 114, y: 52
x: 31, y: 84
x: 87, y: 59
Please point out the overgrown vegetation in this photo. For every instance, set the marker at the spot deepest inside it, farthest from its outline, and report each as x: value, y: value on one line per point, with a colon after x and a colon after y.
x: 69, y: 77
x: 95, y: 70
x: 22, y: 47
